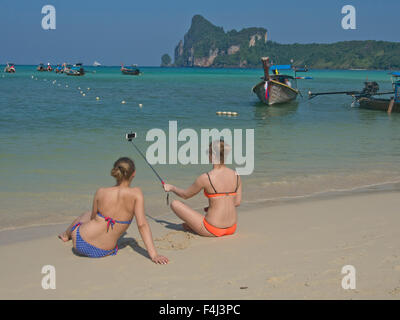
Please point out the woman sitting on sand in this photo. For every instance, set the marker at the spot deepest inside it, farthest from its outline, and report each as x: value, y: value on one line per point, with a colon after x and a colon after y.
x: 95, y: 234
x: 223, y: 188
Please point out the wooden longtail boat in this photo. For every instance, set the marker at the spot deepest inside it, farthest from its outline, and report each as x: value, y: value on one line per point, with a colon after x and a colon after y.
x: 10, y: 68
x: 75, y: 70
x: 379, y: 104
x: 275, y: 88
x: 41, y: 67
x: 131, y: 70
x: 366, y: 99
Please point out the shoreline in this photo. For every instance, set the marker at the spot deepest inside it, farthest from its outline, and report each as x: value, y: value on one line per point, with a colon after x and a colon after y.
x: 384, y: 187
x: 289, y: 251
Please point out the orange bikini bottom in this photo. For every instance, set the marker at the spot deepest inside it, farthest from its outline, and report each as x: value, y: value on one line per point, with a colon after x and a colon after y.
x: 219, y: 232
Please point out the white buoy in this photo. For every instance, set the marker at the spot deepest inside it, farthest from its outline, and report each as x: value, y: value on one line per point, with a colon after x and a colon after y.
x: 123, y: 102
x: 140, y: 105
x: 97, y: 98
x: 88, y: 89
x: 228, y: 113
x: 235, y: 113
x: 224, y: 112
x: 219, y: 113
x: 66, y: 86
x: 79, y: 88
x: 83, y: 94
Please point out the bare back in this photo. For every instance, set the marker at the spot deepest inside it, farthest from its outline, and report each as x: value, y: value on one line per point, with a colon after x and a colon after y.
x: 222, y: 209
x: 118, y: 203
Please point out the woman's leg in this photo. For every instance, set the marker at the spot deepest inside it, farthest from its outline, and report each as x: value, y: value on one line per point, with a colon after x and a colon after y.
x: 66, y: 235
x: 192, y: 218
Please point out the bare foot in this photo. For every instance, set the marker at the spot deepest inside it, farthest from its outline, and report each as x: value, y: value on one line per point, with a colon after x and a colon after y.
x: 186, y: 227
x: 64, y: 237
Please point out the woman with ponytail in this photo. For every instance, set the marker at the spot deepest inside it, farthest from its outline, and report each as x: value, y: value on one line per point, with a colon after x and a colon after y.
x: 221, y: 186
x: 95, y: 233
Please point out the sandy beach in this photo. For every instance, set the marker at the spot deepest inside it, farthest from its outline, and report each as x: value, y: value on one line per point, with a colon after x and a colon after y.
x: 287, y: 251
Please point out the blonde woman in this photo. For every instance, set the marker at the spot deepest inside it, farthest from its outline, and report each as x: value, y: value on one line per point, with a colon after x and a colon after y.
x: 95, y: 233
x: 222, y: 187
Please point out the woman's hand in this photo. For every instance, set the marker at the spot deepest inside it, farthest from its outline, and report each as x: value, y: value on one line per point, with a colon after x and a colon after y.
x: 159, y: 259
x: 168, y: 187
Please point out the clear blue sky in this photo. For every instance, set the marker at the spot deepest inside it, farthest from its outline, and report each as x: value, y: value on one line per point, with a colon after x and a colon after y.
x: 133, y: 31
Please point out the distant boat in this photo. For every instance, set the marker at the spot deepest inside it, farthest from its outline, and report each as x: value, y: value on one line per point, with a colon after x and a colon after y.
x: 59, y: 68
x: 10, y: 68
x: 131, y: 70
x: 96, y: 64
x: 75, y: 70
x: 275, y: 88
x: 42, y: 68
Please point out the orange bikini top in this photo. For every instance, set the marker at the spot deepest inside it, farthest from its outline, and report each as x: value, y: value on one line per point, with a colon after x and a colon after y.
x: 220, y: 194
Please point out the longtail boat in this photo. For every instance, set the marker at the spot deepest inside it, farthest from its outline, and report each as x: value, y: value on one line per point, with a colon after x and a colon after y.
x: 41, y: 67
x: 75, y: 70
x: 130, y: 70
x: 366, y: 98
x: 277, y: 88
x: 59, y: 68
x: 10, y: 68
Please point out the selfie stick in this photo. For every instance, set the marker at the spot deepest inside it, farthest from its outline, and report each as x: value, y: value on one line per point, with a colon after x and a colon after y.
x: 130, y: 137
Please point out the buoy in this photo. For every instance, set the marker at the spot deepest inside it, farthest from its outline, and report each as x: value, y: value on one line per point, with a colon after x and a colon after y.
x: 228, y: 113
x: 219, y: 113
x: 224, y: 112
x: 66, y: 86
x: 83, y: 94
x: 88, y: 88
x: 79, y: 88
x: 235, y: 113
x: 123, y: 102
x: 97, y: 98
x: 140, y: 105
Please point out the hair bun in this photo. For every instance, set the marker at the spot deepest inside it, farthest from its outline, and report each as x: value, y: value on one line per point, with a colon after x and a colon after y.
x: 123, y: 169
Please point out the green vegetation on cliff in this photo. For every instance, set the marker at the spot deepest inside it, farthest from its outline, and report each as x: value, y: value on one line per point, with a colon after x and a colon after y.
x: 166, y: 60
x: 206, y: 45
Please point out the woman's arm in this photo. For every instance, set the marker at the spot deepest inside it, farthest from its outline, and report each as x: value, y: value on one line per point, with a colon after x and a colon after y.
x: 144, y: 230
x: 238, y: 197
x: 194, y: 189
x: 94, y: 206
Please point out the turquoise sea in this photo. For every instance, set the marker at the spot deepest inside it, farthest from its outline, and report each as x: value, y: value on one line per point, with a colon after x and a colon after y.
x: 57, y: 146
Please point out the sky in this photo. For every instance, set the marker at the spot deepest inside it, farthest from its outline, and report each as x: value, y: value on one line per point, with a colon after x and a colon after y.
x: 139, y: 32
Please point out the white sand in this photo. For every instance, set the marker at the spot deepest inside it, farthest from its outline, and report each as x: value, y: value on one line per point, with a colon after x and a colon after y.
x: 288, y: 251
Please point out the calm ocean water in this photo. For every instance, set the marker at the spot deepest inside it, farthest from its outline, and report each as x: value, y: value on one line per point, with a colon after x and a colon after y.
x: 57, y: 146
